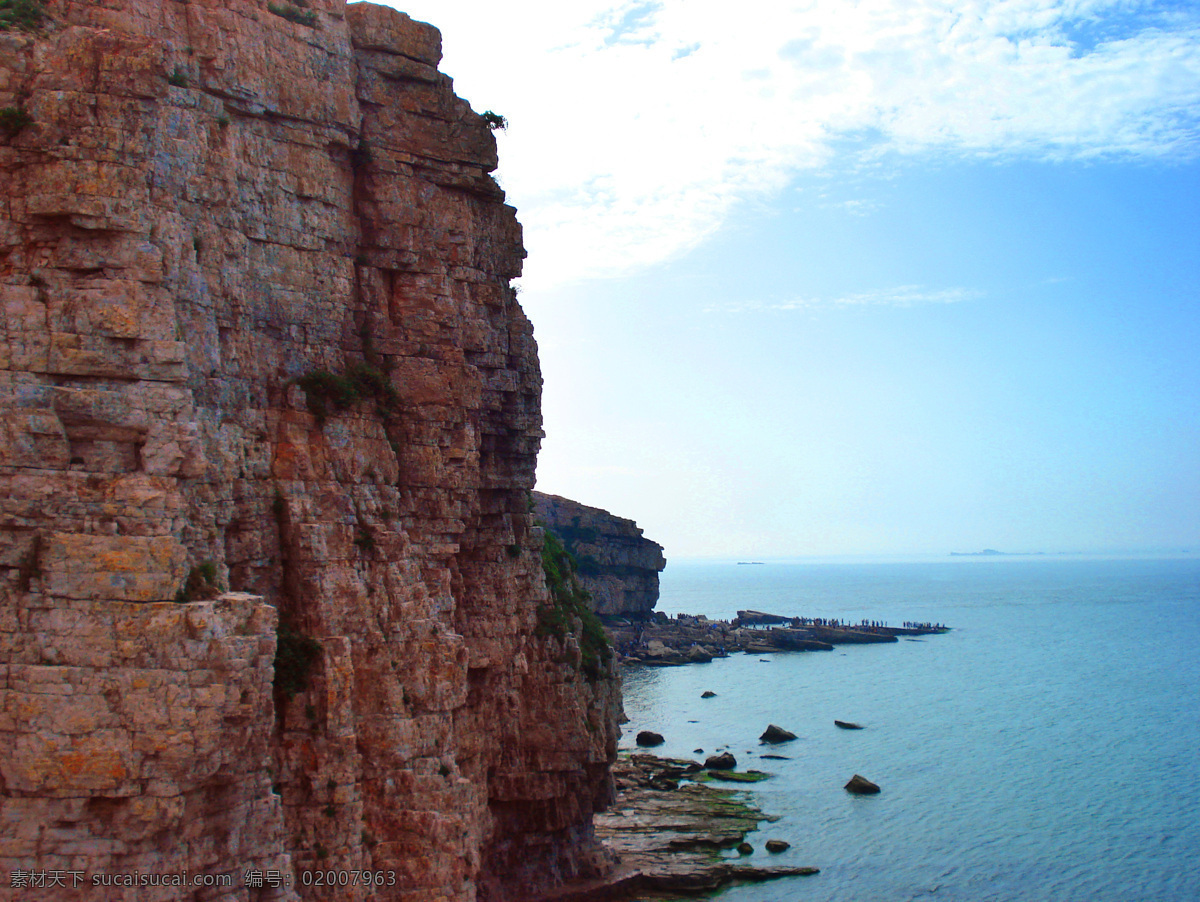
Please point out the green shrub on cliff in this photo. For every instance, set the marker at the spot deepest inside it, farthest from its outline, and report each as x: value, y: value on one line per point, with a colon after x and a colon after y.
x: 293, y: 13
x: 569, y: 601
x: 13, y: 120
x: 201, y: 583
x: 23, y: 14
x: 295, y: 654
x: 332, y: 392
x: 494, y: 120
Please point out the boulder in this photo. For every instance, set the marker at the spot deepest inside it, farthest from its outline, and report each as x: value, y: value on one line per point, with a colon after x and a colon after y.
x: 708, y: 693
x: 778, y: 845
x: 847, y: 725
x: 861, y: 786
x: 774, y: 734
x: 745, y: 848
x: 648, y: 738
x: 723, y: 761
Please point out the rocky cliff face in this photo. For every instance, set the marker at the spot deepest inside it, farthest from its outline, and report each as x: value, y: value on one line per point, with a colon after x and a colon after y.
x: 617, y: 565
x: 259, y: 333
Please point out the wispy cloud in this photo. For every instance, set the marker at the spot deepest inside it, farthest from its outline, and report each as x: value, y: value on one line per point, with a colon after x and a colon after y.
x: 636, y: 127
x: 857, y: 207
x: 900, y: 296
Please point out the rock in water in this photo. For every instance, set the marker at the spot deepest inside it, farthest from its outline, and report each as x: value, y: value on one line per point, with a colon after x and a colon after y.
x: 745, y: 848
x: 723, y: 761
x: 708, y: 693
x: 778, y: 845
x: 774, y: 734
x: 648, y: 738
x: 861, y: 786
x: 847, y: 725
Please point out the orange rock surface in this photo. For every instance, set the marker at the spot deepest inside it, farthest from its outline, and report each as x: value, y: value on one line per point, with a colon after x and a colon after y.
x: 210, y: 203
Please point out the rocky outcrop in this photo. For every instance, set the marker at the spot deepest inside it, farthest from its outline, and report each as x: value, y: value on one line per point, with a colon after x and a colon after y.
x: 670, y: 832
x: 723, y: 761
x: 258, y: 330
x: 860, y: 785
x: 618, y: 566
x: 774, y: 735
x: 665, y: 642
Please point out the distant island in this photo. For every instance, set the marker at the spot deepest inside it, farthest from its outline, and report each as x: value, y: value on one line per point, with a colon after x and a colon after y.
x: 750, y: 563
x: 992, y: 552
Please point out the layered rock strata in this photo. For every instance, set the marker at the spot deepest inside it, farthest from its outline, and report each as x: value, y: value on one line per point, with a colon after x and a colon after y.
x: 617, y: 564
x: 258, y: 325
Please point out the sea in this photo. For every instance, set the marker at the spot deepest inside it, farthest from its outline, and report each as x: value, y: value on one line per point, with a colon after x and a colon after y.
x: 1046, y: 748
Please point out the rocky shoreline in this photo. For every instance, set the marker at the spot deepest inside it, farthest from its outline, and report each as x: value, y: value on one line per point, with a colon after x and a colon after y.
x: 675, y: 835
x: 663, y: 641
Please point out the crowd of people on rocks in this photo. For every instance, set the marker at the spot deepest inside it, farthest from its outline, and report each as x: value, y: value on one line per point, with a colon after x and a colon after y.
x: 864, y: 625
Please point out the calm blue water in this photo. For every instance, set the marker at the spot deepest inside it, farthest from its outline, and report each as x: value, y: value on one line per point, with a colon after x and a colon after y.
x: 1047, y: 749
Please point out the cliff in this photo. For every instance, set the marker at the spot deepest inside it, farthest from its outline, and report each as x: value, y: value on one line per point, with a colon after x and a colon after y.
x: 269, y: 415
x: 618, y: 566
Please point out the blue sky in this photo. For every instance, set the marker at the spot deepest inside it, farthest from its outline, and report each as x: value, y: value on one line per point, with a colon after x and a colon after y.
x: 858, y: 278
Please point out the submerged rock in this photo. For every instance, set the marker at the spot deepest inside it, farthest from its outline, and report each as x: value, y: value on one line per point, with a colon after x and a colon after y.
x: 861, y: 786
x: 847, y: 725
x: 733, y: 776
x: 774, y: 734
x: 648, y: 738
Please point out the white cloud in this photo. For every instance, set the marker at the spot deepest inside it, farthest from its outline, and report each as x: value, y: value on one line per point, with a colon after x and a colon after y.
x: 636, y: 127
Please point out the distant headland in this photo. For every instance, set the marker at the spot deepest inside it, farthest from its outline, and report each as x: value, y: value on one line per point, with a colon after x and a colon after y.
x: 992, y: 552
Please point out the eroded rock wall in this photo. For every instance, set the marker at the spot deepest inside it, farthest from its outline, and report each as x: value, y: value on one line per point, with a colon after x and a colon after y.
x: 135, y: 741
x: 618, y: 566
x: 212, y: 206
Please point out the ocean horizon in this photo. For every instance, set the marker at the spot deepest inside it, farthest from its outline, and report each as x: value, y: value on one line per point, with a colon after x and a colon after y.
x: 1045, y: 748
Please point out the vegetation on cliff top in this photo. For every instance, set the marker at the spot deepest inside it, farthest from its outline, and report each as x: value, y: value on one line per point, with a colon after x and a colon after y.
x: 494, y: 120
x: 570, y: 601
x: 23, y: 14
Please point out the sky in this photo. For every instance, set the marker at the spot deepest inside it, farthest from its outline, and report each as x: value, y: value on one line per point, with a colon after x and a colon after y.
x: 857, y: 278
